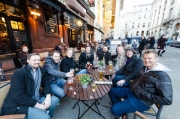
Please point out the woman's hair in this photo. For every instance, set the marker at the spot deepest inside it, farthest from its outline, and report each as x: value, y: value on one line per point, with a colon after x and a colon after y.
x: 69, y: 49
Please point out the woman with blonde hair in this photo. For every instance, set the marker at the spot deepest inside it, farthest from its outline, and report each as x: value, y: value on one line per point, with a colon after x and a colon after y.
x: 68, y: 63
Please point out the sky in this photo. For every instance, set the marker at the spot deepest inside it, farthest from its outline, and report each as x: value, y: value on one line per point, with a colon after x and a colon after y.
x: 130, y: 3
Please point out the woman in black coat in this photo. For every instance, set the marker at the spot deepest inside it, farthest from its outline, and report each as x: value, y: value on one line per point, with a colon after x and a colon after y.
x: 142, y: 45
x: 161, y: 45
x: 68, y: 63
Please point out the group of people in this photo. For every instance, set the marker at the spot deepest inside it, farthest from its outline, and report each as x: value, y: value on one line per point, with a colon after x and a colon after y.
x: 151, y: 83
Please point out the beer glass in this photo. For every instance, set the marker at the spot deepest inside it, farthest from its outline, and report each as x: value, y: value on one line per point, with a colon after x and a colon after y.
x: 88, y: 65
x: 70, y: 83
x: 100, y: 75
x: 110, y: 65
x: 93, y: 87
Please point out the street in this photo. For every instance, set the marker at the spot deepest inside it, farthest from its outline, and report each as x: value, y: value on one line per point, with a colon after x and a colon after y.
x: 170, y: 59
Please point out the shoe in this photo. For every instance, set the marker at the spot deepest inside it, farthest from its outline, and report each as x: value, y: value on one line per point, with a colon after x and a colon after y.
x: 118, y: 117
x: 160, y: 55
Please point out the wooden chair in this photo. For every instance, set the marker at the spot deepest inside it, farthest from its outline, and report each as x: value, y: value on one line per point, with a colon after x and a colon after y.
x: 151, y: 112
x: 4, y: 88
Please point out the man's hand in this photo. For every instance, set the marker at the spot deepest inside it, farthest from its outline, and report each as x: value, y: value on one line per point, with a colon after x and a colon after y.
x: 158, y: 46
x: 121, y: 82
x: 69, y: 74
x: 47, y: 101
x: 112, y: 77
x: 40, y: 106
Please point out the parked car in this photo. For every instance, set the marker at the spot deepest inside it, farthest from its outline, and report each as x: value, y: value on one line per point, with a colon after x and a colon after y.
x: 169, y: 41
x: 175, y: 43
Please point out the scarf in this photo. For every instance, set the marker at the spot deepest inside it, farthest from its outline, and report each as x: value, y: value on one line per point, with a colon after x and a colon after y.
x: 37, y: 82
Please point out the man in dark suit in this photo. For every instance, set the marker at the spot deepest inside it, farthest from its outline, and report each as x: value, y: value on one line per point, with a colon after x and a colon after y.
x: 129, y: 71
x: 24, y: 96
x: 105, y: 54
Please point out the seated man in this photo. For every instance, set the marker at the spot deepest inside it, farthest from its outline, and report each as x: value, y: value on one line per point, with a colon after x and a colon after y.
x: 86, y: 56
x: 129, y: 71
x: 106, y: 55
x: 152, y: 85
x: 23, y: 54
x: 24, y: 95
x: 52, y: 65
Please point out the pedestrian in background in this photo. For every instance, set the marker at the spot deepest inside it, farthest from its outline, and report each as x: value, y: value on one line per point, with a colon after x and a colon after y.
x: 142, y: 45
x: 161, y: 45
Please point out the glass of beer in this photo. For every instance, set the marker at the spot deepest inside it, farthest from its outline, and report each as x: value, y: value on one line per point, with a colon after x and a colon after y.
x: 100, y: 75
x: 88, y: 65
x: 110, y: 66
x: 70, y: 83
x: 93, y: 87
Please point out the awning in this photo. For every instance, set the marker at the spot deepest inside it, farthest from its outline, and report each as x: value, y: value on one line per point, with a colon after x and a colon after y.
x: 88, y: 25
x: 49, y: 2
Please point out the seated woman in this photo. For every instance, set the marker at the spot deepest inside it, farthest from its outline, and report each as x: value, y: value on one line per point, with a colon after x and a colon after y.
x: 129, y: 71
x: 68, y: 63
x: 86, y: 56
x: 23, y: 54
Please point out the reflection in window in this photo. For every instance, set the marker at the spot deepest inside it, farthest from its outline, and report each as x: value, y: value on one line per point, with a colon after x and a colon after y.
x: 20, y: 38
x: 1, y: 7
x: 21, y: 26
x: 5, y: 45
x: 14, y: 24
x: 12, y: 11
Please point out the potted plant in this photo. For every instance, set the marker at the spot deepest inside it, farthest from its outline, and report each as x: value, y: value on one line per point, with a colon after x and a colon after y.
x: 84, y: 80
x: 101, y: 63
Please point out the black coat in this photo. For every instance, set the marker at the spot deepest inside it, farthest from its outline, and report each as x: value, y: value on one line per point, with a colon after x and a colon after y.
x: 142, y: 44
x: 23, y: 57
x: 83, y: 58
x: 68, y: 63
x: 131, y: 69
x: 152, y: 87
x: 151, y: 42
x: 106, y: 56
x: 22, y: 91
x: 161, y: 43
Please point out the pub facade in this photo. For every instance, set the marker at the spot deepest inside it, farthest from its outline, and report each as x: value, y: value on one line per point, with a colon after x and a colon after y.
x: 42, y: 24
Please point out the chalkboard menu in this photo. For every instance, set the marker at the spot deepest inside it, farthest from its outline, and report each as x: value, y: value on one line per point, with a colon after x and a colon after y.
x: 51, y: 19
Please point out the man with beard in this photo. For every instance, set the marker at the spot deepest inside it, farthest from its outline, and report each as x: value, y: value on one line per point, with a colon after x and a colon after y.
x: 52, y: 65
x: 152, y: 85
x: 106, y: 55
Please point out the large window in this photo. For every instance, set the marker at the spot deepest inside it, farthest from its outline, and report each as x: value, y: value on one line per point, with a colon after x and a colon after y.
x: 170, y: 12
x: 5, y: 45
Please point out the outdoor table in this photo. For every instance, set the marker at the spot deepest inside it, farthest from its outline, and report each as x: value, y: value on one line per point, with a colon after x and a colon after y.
x: 106, y: 71
x: 83, y: 95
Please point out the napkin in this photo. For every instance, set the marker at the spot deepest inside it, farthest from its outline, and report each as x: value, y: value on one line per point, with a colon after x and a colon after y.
x: 103, y: 82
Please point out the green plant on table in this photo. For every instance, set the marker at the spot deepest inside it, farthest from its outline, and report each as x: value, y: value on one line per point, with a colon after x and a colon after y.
x: 101, y: 63
x: 84, y: 79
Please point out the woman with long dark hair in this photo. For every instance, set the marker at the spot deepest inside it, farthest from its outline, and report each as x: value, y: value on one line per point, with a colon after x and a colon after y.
x: 161, y: 45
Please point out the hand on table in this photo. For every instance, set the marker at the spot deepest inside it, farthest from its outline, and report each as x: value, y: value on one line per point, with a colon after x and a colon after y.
x: 121, y: 82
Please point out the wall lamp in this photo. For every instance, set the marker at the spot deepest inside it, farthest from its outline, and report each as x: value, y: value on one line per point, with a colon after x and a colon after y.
x: 35, y: 14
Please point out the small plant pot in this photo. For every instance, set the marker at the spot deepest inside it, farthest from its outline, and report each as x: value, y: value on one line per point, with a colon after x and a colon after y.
x: 84, y: 86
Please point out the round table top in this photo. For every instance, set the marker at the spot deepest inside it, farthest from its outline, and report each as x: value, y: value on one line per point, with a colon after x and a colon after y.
x: 106, y: 71
x: 79, y: 93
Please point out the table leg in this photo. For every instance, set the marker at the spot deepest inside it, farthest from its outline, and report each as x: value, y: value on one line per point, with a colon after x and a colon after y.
x: 75, y: 104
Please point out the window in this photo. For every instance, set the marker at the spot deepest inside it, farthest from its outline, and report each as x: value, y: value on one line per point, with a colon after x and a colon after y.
x: 142, y: 33
x: 147, y: 33
x: 165, y: 5
x: 145, y: 16
x: 149, y: 24
x: 139, y: 16
x: 126, y: 25
x: 170, y: 12
x: 5, y: 45
x: 155, y: 13
x: 143, y: 25
x: 133, y: 25
x: 159, y: 10
x: 138, y: 25
x: 162, y: 17
x: 172, y: 2
x: 146, y: 8
x: 137, y: 33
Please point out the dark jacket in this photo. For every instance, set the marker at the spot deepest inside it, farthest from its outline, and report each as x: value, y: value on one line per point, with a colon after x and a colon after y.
x: 83, y: 58
x: 23, y: 57
x: 153, y: 86
x: 53, y: 69
x: 22, y: 91
x: 151, y: 42
x: 161, y: 43
x: 106, y: 56
x: 68, y: 63
x: 142, y: 44
x: 131, y: 69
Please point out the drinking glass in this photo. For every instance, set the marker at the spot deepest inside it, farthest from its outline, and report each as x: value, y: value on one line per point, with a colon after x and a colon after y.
x: 88, y: 64
x: 93, y: 87
x: 70, y: 83
x: 72, y: 70
x: 110, y: 65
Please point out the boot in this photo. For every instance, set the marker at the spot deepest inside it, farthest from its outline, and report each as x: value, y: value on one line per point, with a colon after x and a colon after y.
x: 162, y: 52
x: 159, y: 52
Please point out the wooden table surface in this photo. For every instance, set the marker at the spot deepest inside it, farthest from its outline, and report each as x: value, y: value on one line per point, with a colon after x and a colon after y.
x: 79, y: 93
x: 106, y: 72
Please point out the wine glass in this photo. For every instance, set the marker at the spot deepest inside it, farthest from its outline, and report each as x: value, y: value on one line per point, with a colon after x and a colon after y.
x: 70, y: 83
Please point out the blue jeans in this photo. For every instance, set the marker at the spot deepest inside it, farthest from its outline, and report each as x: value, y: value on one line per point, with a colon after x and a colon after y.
x: 129, y: 105
x: 83, y: 71
x: 118, y: 78
x: 35, y: 113
x: 57, y: 88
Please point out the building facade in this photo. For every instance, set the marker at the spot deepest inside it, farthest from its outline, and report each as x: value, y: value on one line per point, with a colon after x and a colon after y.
x: 135, y: 21
x: 165, y: 18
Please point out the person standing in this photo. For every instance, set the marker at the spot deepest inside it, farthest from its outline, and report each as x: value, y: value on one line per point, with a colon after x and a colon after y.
x: 106, y: 55
x: 86, y: 56
x: 142, y: 45
x: 24, y: 96
x: 55, y: 76
x: 152, y: 85
x: 23, y: 54
x: 161, y: 45
x: 151, y: 42
x: 129, y: 71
